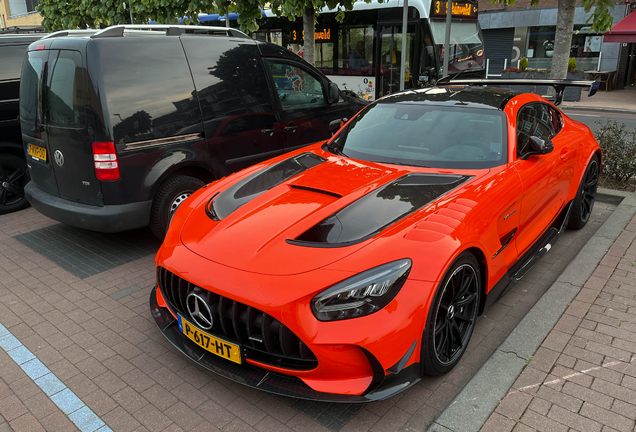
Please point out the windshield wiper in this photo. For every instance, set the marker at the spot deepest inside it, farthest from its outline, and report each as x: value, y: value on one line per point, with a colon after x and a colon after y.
x: 333, y: 150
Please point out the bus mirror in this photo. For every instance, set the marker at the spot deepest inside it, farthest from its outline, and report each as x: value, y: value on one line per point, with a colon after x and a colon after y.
x: 334, y: 93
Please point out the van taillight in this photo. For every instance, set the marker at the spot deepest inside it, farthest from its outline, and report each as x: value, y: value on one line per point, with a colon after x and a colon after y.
x: 105, y: 157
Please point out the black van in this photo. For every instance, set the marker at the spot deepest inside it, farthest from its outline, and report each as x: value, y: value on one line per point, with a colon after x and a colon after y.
x: 121, y: 125
x: 14, y: 42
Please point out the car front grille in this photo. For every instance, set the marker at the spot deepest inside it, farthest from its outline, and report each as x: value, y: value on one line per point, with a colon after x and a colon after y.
x: 264, y: 338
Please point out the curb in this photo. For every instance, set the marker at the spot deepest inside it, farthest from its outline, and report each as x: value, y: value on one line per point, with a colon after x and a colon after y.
x: 594, y: 109
x: 472, y: 407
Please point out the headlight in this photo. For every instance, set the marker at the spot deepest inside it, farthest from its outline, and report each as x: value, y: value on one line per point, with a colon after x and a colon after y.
x: 361, y: 294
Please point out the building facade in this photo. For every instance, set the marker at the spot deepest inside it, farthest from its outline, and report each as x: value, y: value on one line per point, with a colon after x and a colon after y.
x: 19, y: 13
x: 512, y: 32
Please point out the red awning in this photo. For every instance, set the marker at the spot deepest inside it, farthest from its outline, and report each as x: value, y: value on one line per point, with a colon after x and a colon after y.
x: 624, y: 31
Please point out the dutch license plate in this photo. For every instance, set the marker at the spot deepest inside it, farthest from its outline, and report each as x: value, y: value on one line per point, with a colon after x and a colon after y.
x: 210, y: 343
x: 37, y: 151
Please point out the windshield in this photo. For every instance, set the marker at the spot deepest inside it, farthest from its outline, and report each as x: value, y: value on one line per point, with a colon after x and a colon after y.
x: 425, y: 136
x: 466, y: 45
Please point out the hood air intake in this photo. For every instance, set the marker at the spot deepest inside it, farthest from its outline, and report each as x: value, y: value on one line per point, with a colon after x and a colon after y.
x: 224, y: 204
x: 379, y: 209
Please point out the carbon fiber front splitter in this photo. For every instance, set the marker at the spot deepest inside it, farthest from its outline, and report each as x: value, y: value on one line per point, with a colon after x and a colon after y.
x: 272, y: 382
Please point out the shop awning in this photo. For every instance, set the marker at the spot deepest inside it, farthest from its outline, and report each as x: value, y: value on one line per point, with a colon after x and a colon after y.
x: 624, y: 31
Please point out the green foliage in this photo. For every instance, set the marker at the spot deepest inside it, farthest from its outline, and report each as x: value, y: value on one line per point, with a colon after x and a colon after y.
x: 601, y: 18
x: 571, y: 64
x: 619, y: 150
x: 523, y: 63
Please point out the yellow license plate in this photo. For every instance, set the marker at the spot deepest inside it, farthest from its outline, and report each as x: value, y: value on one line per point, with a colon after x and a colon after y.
x: 210, y: 343
x: 37, y: 151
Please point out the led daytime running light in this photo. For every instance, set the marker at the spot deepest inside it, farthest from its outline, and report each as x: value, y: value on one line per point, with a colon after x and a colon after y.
x: 362, y: 294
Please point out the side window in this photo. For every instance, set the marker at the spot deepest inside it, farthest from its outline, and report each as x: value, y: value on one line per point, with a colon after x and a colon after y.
x: 534, y: 119
x: 147, y: 86
x: 295, y: 86
x: 12, y: 57
x: 556, y: 121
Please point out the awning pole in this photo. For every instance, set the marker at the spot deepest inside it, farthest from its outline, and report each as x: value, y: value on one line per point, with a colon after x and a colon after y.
x: 405, y: 17
x: 449, y: 14
x: 227, y: 16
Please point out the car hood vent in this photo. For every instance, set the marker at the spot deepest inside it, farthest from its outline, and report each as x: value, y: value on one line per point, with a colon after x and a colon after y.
x: 222, y: 205
x: 379, y: 209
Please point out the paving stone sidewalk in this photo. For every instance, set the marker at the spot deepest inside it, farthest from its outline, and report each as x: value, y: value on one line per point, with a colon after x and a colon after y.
x: 583, y: 377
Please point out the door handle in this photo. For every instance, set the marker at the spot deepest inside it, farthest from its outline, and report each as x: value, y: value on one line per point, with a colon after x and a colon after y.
x: 292, y: 127
x: 268, y: 131
x: 564, y: 154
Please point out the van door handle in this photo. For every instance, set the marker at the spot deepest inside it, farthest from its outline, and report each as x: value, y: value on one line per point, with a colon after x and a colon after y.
x: 564, y: 154
x: 268, y: 131
x: 292, y: 127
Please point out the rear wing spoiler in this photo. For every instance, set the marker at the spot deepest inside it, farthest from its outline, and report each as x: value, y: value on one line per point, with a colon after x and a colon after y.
x: 559, y: 85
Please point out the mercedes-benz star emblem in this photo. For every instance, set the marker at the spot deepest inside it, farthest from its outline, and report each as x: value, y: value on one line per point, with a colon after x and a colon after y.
x: 199, y: 311
x: 59, y: 157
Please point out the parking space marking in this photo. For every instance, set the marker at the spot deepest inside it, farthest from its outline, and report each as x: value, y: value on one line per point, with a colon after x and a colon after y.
x: 76, y: 410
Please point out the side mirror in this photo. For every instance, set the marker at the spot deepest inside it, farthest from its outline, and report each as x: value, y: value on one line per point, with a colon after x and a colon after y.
x: 335, y: 125
x: 540, y: 146
x: 333, y: 93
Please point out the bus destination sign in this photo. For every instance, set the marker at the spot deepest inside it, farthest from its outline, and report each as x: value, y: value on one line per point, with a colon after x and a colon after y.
x: 460, y: 9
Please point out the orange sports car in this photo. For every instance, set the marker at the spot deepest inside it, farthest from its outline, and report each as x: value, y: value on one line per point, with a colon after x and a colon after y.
x: 348, y: 269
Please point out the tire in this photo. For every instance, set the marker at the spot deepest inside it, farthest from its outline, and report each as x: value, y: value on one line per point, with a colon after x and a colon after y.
x: 13, y: 177
x: 451, y: 317
x: 170, y: 196
x: 585, y: 196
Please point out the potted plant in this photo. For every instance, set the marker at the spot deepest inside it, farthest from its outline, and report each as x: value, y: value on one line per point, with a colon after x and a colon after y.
x: 549, y: 47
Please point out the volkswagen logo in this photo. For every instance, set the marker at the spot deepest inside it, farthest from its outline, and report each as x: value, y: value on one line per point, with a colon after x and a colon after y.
x: 59, y: 157
x: 199, y: 311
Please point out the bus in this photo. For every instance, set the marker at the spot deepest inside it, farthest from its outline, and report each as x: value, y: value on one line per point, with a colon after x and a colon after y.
x: 363, y: 52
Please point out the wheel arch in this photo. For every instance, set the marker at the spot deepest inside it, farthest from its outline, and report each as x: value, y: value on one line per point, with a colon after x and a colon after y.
x: 483, y: 272
x: 14, y: 150
x: 195, y: 171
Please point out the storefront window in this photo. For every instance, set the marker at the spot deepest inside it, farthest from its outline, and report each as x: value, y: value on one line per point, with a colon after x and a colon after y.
x: 586, y: 47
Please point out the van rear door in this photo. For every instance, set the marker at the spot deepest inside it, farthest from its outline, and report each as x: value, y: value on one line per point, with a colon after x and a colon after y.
x: 63, y: 98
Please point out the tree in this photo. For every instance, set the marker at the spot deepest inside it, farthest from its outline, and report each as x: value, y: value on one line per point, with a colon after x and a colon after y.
x: 600, y: 18
x: 71, y: 14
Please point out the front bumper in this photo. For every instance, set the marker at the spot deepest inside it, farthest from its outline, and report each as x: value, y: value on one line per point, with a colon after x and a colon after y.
x: 108, y: 218
x: 382, y: 387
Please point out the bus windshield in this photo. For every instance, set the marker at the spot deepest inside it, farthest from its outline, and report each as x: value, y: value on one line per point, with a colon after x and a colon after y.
x: 466, y: 45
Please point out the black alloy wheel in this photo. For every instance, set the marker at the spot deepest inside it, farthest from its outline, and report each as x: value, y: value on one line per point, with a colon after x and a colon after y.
x: 585, y: 197
x: 452, y: 317
x: 13, y: 178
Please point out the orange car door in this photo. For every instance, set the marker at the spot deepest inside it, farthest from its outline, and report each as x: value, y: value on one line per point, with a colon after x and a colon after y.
x: 541, y: 175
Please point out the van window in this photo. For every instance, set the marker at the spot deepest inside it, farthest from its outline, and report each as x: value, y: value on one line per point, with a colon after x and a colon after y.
x: 296, y: 87
x: 65, y: 93
x: 229, y: 77
x: 147, y: 87
x: 12, y: 57
x: 31, y: 74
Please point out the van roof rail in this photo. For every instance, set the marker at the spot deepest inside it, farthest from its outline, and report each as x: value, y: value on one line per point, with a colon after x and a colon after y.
x: 63, y: 33
x: 169, y: 29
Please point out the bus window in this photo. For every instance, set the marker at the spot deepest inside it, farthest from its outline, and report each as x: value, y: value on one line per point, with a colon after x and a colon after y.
x: 355, y: 51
